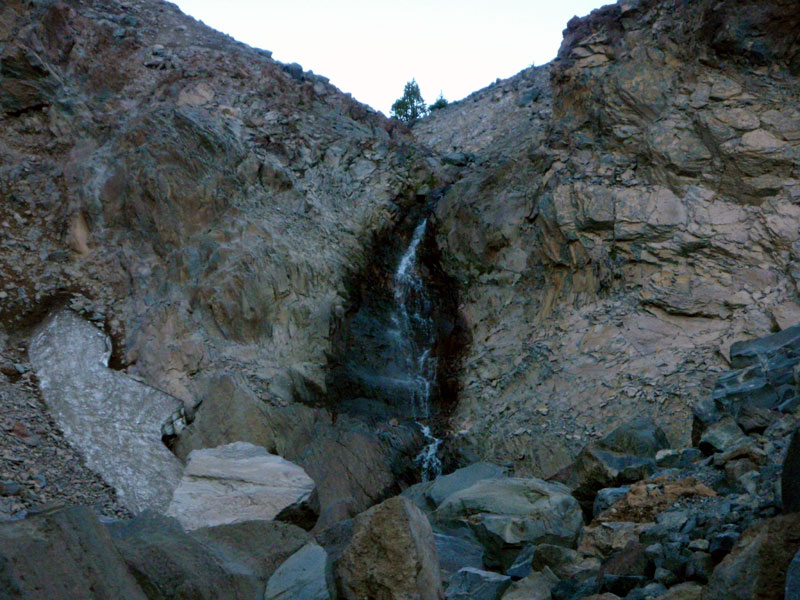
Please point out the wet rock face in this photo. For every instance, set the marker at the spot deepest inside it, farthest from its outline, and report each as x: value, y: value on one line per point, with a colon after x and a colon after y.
x: 648, y: 223
x: 397, y: 346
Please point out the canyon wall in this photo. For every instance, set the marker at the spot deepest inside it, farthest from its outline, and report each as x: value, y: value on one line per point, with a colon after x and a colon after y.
x: 630, y: 211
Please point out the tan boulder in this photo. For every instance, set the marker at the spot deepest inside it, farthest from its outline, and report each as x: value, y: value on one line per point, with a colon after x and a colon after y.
x: 391, y: 555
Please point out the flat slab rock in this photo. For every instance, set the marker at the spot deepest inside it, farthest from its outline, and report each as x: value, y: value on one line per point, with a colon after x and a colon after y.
x: 114, y: 421
x: 234, y: 483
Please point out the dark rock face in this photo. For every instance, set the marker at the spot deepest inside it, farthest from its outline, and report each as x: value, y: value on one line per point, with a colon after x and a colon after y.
x: 376, y: 362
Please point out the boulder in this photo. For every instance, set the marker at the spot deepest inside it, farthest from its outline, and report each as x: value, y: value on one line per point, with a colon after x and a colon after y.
x: 63, y: 553
x: 474, y: 584
x: 721, y: 436
x: 170, y: 564
x: 461, y: 479
x: 790, y: 476
x: 757, y: 566
x: 507, y: 514
x: 563, y: 562
x: 535, y: 586
x: 237, y: 482
x: 625, y: 455
x: 455, y: 553
x: 306, y: 575
x: 522, y: 565
x: 607, y: 497
x: 646, y: 500
x: 755, y: 419
x: 114, y: 421
x: 391, y: 555
x: 631, y: 560
x: 259, y: 546
x: 603, y: 539
x: 764, y: 375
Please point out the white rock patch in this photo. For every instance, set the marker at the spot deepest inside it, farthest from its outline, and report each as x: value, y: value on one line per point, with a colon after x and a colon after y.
x: 237, y: 482
x: 112, y: 420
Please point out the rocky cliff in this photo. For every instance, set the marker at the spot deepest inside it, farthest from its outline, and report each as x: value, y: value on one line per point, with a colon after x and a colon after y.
x: 202, y: 203
x: 631, y: 212
x: 222, y: 282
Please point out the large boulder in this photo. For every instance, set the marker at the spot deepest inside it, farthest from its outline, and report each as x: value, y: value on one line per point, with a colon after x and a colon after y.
x: 258, y: 546
x: 625, y: 455
x: 353, y: 465
x: 306, y: 575
x: 757, y: 566
x: 62, y: 553
x: 169, y: 564
x: 460, y: 479
x: 114, y: 421
x: 237, y: 482
x: 475, y: 584
x: 391, y: 555
x: 507, y: 514
x: 764, y: 375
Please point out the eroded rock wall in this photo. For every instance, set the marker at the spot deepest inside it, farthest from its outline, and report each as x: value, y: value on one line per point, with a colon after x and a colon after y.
x: 607, y: 264
x: 201, y: 199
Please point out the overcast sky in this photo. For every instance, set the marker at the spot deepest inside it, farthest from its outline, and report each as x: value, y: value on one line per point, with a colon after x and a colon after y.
x: 371, y: 48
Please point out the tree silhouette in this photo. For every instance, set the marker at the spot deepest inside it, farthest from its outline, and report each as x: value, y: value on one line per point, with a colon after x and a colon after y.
x: 410, y: 106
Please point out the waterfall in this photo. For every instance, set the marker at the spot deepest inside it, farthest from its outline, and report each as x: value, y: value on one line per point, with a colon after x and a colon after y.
x: 413, y: 331
x: 412, y: 327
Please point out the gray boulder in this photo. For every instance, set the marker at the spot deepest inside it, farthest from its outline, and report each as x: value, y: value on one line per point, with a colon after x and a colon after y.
x: 507, y: 514
x: 764, y: 375
x: 63, y: 553
x: 169, y: 564
x: 721, y: 436
x: 306, y: 575
x: 258, y: 546
x: 455, y: 553
x: 607, y: 497
x: 625, y: 455
x: 461, y: 479
x: 474, y: 584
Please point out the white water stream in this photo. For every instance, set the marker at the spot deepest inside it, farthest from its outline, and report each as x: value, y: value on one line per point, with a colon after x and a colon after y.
x: 413, y: 331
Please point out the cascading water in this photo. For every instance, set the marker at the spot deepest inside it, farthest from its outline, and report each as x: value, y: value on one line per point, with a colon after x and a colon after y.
x: 412, y: 327
x: 413, y: 331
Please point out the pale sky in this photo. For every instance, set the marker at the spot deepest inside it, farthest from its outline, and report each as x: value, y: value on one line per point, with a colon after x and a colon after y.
x: 371, y: 48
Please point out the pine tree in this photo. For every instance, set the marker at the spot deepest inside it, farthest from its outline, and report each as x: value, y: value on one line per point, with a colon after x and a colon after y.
x: 410, y: 106
x: 441, y: 102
